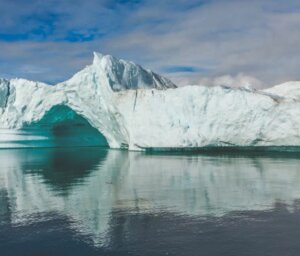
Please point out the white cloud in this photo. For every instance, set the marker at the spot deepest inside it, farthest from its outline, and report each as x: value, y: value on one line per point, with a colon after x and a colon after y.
x: 223, y: 37
x: 244, y: 39
x: 239, y: 80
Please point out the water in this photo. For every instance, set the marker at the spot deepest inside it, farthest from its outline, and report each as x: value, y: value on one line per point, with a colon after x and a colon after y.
x: 92, y: 201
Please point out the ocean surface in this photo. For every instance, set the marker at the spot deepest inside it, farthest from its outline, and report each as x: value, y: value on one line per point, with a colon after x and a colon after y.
x: 94, y: 201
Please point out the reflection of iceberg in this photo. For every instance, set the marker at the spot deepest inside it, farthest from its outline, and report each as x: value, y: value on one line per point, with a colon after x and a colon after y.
x: 136, y: 182
x: 137, y: 109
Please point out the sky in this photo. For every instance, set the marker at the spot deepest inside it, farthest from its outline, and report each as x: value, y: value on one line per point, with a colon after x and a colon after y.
x: 189, y: 41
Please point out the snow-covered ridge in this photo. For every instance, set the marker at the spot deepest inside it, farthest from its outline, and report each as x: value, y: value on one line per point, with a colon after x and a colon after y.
x: 135, y: 108
x: 290, y: 90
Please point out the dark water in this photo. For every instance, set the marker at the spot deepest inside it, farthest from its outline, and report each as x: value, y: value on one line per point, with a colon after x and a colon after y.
x: 90, y: 201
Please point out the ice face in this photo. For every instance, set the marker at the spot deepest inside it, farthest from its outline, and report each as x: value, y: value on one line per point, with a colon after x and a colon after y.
x: 137, y: 109
x: 4, y: 91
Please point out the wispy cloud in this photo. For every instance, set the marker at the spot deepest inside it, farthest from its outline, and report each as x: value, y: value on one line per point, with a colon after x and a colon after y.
x: 181, y: 69
x: 189, y: 41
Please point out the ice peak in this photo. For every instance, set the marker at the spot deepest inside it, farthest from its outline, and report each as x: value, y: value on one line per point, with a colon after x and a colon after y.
x: 98, y: 57
x: 124, y: 75
x: 105, y: 59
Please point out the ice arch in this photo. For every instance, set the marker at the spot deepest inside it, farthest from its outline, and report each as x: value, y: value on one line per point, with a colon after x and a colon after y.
x: 60, y: 126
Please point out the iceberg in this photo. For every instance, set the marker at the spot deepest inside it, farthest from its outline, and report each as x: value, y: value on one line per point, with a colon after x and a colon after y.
x: 117, y: 103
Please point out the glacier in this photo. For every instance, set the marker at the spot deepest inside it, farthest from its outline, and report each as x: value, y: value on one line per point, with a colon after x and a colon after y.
x: 119, y: 104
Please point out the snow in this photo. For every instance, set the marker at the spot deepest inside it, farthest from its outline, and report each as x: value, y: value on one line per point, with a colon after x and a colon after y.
x: 289, y: 90
x: 137, y: 109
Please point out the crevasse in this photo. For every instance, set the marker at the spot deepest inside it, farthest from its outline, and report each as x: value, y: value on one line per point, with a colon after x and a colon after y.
x: 118, y: 103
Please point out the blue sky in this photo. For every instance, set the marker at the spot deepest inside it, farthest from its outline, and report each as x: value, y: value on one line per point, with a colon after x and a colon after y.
x: 189, y: 41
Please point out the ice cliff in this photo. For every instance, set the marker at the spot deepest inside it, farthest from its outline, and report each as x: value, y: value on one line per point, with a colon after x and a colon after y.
x: 119, y: 103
